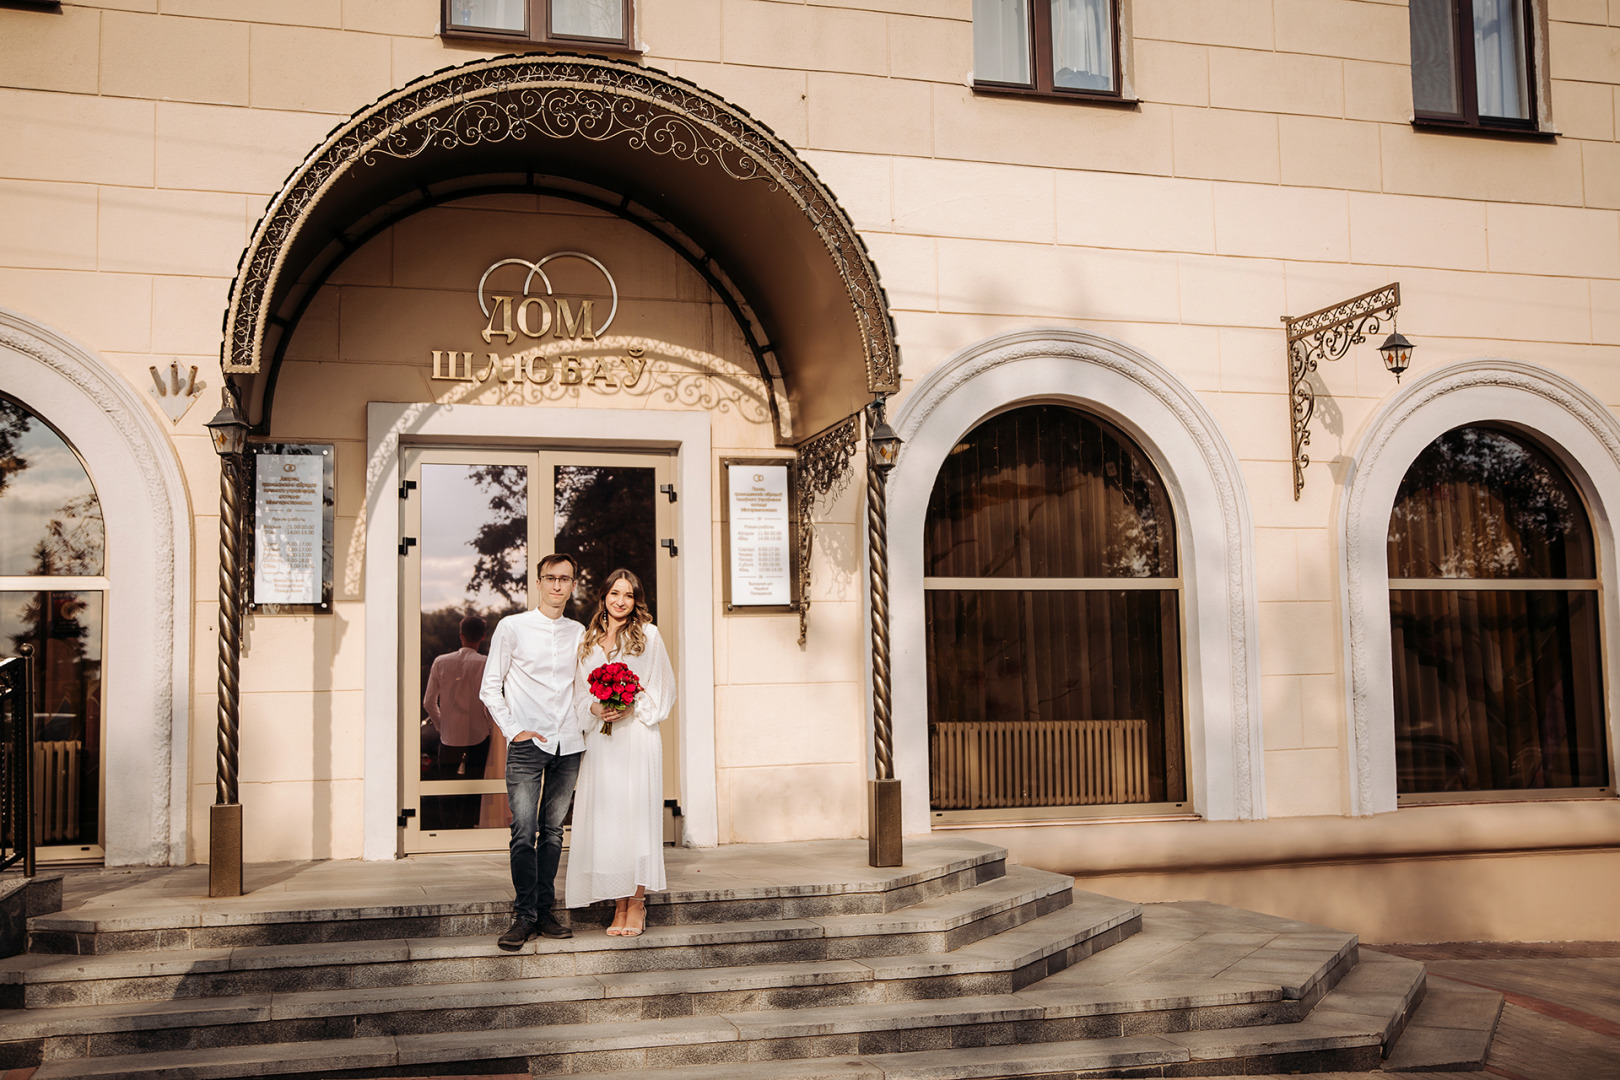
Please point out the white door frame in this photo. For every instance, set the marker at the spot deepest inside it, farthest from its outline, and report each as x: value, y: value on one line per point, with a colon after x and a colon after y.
x: 388, y: 424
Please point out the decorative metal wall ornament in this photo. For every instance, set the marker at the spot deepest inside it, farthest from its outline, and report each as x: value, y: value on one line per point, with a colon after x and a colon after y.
x: 556, y: 97
x: 1327, y: 335
x: 824, y: 469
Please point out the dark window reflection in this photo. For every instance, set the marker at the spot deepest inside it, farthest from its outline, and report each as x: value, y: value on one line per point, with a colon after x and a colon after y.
x: 474, y: 543
x: 1495, y: 689
x: 1046, y: 491
x: 1480, y: 503
x: 1052, y: 697
x: 605, y: 517
x: 50, y: 519
x: 65, y: 630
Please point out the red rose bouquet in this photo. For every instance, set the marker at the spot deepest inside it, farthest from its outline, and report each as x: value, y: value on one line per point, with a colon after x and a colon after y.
x: 616, y: 687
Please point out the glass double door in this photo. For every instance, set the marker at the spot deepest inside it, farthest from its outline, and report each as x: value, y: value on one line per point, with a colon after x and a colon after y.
x: 481, y: 521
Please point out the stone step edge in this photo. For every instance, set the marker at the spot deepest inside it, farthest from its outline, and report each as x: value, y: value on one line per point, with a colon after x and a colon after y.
x: 39, y: 969
x: 1451, y: 1029
x: 911, y: 1015
x: 169, y: 919
x: 1362, y: 1043
x: 1015, y: 877
x: 270, y: 1008
x: 230, y: 1010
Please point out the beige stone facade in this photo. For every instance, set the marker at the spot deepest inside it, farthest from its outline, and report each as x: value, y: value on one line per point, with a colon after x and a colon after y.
x: 1270, y: 167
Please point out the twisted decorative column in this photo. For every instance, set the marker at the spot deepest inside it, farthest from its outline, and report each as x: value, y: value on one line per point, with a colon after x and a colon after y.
x: 884, y: 837
x: 877, y: 546
x: 230, y: 630
x: 225, y: 816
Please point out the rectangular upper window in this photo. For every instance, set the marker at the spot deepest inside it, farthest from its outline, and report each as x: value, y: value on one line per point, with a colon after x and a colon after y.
x: 1064, y: 48
x: 1473, y: 64
x: 585, y: 23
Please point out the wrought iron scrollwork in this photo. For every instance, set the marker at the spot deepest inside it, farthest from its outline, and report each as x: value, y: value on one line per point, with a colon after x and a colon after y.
x: 1327, y: 335
x: 521, y: 97
x: 824, y: 470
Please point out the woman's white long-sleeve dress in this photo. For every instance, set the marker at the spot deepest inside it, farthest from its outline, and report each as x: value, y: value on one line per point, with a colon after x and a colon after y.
x: 618, y: 838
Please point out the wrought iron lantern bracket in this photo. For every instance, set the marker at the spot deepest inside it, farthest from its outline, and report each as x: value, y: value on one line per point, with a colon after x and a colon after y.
x: 824, y: 471
x: 1327, y: 335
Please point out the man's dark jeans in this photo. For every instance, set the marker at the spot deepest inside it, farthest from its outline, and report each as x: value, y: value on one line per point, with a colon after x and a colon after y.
x: 540, y: 787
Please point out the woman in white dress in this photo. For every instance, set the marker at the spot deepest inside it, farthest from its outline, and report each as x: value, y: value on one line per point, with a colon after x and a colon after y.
x: 617, y: 851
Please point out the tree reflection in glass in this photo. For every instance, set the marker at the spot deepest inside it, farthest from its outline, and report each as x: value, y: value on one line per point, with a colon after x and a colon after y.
x: 1498, y: 687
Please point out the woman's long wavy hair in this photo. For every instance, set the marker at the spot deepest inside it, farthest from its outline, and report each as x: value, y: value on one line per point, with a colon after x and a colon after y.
x: 632, y: 639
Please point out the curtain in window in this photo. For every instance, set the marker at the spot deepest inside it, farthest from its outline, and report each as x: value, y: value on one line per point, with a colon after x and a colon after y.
x: 1083, y: 44
x: 490, y: 14
x: 1068, y: 691
x: 1499, y: 54
x: 588, y: 18
x: 1001, y: 41
x: 1498, y: 687
x: 1434, y: 58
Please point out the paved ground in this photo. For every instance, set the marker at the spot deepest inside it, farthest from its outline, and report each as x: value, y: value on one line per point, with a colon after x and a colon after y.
x: 1561, y: 1020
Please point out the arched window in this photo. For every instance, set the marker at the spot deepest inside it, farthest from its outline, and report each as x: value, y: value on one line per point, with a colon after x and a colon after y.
x: 52, y: 596
x: 1494, y: 613
x: 1053, y: 630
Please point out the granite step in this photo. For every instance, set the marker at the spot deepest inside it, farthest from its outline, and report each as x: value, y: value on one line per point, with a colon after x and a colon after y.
x: 863, y: 1013
x: 1451, y: 1030
x: 921, y: 984
x: 1004, y: 1035
x: 943, y: 924
x: 709, y: 891
x: 96, y: 1030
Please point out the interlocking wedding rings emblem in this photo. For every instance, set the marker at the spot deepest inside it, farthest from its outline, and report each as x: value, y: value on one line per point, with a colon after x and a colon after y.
x: 537, y: 269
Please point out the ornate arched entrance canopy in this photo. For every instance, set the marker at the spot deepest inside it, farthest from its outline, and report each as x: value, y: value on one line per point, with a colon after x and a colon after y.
x: 736, y: 199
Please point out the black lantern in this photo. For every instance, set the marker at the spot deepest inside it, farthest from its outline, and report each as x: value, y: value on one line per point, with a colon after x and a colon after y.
x: 228, y: 430
x: 1397, y: 354
x: 885, y: 445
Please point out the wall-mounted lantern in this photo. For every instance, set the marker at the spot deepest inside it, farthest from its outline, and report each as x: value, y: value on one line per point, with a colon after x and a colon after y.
x: 1327, y: 335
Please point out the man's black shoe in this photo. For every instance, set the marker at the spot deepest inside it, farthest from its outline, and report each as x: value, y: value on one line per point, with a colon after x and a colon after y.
x: 522, y: 930
x: 550, y: 927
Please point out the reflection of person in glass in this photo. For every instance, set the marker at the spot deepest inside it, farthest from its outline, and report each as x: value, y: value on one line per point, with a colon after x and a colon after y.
x: 618, y: 845
x: 529, y: 688
x: 462, y: 722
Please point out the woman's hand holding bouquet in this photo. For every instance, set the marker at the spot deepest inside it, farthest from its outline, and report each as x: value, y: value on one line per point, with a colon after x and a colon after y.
x: 615, y: 687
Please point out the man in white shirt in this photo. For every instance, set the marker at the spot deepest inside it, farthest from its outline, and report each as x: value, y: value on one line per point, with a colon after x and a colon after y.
x: 529, y: 689
x: 462, y: 723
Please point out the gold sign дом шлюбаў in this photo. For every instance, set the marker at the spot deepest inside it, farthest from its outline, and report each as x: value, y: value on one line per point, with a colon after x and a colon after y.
x: 519, y: 314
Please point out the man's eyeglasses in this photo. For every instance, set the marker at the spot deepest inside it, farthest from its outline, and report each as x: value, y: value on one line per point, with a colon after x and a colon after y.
x: 555, y: 579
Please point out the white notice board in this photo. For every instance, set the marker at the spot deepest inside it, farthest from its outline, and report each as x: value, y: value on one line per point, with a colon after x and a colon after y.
x: 759, y: 534
x: 292, y: 525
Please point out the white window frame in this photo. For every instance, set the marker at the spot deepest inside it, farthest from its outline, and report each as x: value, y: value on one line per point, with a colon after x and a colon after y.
x: 1221, y: 680
x: 1570, y: 424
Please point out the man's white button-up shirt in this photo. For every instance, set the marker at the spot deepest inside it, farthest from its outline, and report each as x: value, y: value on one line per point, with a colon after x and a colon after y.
x: 529, y: 679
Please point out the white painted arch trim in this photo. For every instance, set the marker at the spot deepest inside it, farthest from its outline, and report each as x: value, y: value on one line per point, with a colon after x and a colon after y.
x: 1564, y: 419
x: 147, y: 652
x: 388, y: 424
x: 1200, y: 472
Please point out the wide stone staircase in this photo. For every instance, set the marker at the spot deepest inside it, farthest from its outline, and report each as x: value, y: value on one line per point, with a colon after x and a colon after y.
x: 791, y: 961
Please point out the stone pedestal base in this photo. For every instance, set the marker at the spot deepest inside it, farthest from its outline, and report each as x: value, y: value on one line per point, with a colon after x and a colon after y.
x: 883, y: 839
x: 225, y: 849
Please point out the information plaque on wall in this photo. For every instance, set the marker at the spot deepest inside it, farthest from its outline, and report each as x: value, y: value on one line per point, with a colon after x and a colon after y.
x: 759, y: 533
x: 291, y: 527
